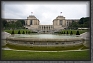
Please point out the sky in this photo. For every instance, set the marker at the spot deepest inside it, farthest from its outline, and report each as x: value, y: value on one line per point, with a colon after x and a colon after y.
x: 45, y: 11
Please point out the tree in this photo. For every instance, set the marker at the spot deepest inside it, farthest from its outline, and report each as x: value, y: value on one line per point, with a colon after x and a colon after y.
x: 77, y: 33
x: 19, y: 24
x: 82, y: 23
x: 62, y: 32
x: 4, y: 22
x: 22, y: 22
x: 71, y: 33
x: 19, y: 32
x: 12, y: 25
x: 29, y: 32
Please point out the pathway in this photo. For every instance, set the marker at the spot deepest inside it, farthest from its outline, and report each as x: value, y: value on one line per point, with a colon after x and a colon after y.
x: 44, y: 51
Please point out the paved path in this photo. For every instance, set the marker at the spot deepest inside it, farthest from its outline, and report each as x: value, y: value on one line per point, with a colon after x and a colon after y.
x: 44, y: 51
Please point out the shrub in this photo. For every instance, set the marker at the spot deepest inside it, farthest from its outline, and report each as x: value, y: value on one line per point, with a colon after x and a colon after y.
x: 71, y: 33
x: 29, y: 32
x: 64, y: 32
x: 19, y: 32
x: 67, y: 32
x: 23, y: 32
x: 12, y: 32
x: 26, y: 32
x: 77, y: 33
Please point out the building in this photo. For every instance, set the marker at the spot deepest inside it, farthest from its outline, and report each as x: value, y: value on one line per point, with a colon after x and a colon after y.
x: 59, y: 23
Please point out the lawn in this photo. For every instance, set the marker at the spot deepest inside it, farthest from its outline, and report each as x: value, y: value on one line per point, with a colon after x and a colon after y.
x: 16, y: 31
x: 74, y: 31
x: 24, y: 55
x: 21, y: 55
x: 69, y: 31
x: 49, y: 48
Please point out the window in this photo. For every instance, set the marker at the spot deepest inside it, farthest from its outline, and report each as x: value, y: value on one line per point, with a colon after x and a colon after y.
x: 30, y: 22
x: 60, y: 22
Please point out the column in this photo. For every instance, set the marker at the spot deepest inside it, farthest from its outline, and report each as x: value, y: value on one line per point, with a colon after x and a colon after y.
x: 28, y: 22
x: 42, y: 27
x: 63, y: 22
x: 58, y: 22
x: 32, y: 22
x: 37, y: 22
x: 25, y: 22
x: 48, y: 28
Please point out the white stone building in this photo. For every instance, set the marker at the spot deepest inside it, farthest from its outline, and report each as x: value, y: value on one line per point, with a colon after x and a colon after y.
x: 59, y: 23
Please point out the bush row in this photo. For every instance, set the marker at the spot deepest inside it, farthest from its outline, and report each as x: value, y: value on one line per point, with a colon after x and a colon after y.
x: 27, y: 32
x: 71, y: 33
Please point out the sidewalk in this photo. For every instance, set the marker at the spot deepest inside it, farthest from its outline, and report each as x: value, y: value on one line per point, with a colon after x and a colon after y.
x: 44, y: 51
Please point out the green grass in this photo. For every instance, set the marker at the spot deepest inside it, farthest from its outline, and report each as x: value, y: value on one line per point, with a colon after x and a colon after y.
x: 21, y: 55
x: 21, y: 30
x: 16, y: 31
x: 40, y: 48
x: 74, y: 31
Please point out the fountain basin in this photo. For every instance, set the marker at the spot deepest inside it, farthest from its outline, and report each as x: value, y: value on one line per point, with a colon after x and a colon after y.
x: 47, y: 40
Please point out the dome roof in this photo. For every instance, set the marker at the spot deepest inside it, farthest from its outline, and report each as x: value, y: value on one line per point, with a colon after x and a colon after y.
x: 31, y: 17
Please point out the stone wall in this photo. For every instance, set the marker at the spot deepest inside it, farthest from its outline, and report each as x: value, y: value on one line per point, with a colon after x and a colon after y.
x: 45, y: 42
x: 4, y: 35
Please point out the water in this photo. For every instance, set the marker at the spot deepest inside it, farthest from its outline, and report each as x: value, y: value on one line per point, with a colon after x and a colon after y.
x: 48, y: 36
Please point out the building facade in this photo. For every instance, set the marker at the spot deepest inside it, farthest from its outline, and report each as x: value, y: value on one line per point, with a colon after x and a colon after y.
x: 59, y: 23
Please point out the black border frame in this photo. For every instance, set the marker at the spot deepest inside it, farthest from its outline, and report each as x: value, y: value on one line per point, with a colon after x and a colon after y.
x: 89, y: 30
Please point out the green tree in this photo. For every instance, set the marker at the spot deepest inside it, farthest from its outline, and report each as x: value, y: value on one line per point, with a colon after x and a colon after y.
x: 19, y: 24
x: 22, y: 22
x: 12, y: 25
x: 67, y: 32
x: 64, y: 32
x: 19, y: 32
x: 29, y: 32
x: 12, y: 32
x: 71, y: 33
x: 23, y: 32
x: 82, y: 23
x: 26, y: 32
x: 77, y: 33
x: 4, y: 22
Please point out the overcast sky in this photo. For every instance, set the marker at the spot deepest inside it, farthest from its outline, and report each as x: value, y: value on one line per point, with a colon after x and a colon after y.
x: 45, y: 11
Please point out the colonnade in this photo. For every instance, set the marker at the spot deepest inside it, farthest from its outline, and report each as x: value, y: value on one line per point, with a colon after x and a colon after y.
x: 46, y: 27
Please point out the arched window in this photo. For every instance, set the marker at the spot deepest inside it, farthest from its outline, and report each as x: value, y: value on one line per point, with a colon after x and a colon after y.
x: 30, y: 22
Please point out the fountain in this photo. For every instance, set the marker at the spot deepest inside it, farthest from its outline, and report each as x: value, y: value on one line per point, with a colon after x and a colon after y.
x: 45, y: 41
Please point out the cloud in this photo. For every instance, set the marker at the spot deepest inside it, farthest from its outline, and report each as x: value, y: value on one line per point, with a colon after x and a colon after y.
x: 46, y: 12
